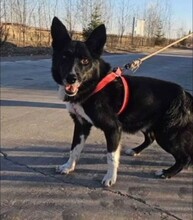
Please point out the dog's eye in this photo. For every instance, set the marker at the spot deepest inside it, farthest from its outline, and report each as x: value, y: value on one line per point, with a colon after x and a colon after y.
x: 84, y: 61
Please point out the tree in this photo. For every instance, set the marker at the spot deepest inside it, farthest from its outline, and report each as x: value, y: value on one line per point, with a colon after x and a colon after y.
x: 3, y: 29
x: 152, y: 19
x: 123, y: 18
x: 187, y: 41
x: 3, y: 34
x: 159, y: 36
x: 155, y: 14
x: 95, y: 21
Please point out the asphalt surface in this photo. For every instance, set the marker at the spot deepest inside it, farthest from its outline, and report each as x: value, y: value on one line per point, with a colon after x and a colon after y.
x: 36, y: 133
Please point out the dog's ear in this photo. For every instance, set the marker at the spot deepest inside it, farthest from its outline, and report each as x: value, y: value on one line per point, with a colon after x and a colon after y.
x: 59, y: 33
x: 97, y: 40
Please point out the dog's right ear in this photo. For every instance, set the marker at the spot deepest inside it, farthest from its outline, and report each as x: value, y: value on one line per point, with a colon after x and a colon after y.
x: 59, y: 33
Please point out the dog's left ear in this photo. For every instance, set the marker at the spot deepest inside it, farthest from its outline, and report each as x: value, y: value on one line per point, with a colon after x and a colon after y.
x: 97, y: 40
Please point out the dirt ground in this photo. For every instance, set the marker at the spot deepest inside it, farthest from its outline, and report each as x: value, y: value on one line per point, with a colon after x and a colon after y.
x: 11, y: 50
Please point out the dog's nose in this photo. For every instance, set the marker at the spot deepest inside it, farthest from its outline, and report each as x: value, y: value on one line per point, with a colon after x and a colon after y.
x: 71, y: 78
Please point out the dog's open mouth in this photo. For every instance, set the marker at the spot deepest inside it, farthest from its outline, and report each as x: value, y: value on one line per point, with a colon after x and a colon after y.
x: 71, y: 89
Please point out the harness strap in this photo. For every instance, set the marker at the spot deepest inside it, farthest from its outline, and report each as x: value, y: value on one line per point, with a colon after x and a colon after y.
x: 126, y: 95
x: 108, y: 79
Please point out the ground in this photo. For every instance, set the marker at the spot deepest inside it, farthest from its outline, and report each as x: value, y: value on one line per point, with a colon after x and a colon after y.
x: 36, y: 133
x: 12, y: 50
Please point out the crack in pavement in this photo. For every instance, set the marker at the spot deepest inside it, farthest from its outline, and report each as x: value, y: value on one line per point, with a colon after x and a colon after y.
x: 36, y: 170
x: 69, y: 182
x: 143, y: 201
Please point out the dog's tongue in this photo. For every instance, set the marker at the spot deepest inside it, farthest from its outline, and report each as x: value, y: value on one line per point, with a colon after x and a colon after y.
x: 71, y: 88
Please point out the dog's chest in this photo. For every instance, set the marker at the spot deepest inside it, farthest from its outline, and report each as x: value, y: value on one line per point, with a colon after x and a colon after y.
x: 77, y: 109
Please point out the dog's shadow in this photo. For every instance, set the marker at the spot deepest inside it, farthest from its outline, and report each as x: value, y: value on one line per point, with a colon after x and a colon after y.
x: 38, y: 163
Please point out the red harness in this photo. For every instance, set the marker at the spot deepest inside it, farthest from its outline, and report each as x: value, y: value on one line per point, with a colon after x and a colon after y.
x: 108, y: 79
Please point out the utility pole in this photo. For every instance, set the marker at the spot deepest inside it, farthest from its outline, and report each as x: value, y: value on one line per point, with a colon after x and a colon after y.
x: 133, y: 30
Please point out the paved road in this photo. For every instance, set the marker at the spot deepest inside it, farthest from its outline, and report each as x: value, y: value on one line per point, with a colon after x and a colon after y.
x: 36, y: 133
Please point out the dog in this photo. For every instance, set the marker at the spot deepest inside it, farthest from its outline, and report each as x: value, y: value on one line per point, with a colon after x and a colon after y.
x: 162, y: 110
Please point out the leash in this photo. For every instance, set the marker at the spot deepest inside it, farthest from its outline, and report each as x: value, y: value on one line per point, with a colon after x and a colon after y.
x: 136, y: 63
x: 117, y: 73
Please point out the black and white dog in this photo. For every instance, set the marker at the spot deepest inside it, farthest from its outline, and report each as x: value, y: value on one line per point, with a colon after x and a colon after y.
x: 162, y: 110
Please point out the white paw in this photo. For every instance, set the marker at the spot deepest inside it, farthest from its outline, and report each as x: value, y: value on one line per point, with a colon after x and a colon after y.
x: 109, y: 180
x: 65, y: 168
x: 131, y: 152
x: 160, y: 173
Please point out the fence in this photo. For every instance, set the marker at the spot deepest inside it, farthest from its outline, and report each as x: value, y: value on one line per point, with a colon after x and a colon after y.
x: 22, y: 36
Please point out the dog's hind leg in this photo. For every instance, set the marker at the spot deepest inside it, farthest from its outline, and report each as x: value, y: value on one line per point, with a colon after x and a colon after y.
x: 182, y: 161
x: 81, y: 132
x: 179, y: 143
x: 149, y: 138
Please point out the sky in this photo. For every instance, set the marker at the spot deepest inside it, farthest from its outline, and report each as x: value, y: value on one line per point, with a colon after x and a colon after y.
x: 181, y: 11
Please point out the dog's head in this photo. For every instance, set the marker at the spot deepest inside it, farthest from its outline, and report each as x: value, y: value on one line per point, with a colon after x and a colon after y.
x: 75, y: 62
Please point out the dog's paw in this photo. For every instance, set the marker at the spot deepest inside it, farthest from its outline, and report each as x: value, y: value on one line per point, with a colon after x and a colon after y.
x: 131, y: 152
x: 160, y: 174
x: 65, y: 169
x: 109, y: 180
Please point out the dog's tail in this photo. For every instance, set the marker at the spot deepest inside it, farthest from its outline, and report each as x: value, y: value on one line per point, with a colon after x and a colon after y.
x: 180, y: 112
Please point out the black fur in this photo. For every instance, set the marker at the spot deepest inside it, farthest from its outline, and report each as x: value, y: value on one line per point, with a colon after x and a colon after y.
x: 162, y: 110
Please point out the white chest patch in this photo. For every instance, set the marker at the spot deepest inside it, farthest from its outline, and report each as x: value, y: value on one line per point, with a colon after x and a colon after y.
x: 78, y: 110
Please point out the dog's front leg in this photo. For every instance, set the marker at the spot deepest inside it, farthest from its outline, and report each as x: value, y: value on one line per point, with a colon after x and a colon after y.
x: 81, y: 131
x: 113, y: 154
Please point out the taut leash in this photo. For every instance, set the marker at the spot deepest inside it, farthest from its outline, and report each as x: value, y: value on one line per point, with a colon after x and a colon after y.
x: 136, y: 63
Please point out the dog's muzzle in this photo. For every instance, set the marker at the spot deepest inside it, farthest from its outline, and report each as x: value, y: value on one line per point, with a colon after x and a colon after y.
x: 71, y: 85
